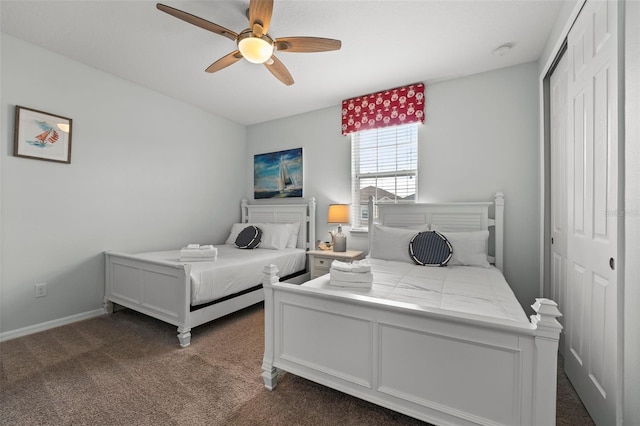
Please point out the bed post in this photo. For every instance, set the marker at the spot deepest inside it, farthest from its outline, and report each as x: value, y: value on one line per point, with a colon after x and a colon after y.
x: 311, y: 237
x: 370, y: 213
x: 269, y: 372
x: 546, y: 360
x: 499, y: 230
x: 244, y: 209
x: 107, y: 305
x: 184, y: 336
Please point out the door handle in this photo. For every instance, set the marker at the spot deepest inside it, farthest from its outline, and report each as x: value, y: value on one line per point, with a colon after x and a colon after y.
x: 612, y: 264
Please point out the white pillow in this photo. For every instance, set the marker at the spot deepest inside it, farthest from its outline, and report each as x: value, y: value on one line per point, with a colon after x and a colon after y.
x: 469, y: 248
x: 275, y: 236
x: 390, y: 243
x: 294, y: 230
x: 236, y: 228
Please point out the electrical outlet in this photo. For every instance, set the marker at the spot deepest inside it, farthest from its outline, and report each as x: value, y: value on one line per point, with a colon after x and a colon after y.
x: 41, y: 289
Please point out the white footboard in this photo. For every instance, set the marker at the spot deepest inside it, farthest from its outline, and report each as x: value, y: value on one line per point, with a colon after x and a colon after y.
x: 162, y: 290
x: 427, y: 364
x: 159, y: 289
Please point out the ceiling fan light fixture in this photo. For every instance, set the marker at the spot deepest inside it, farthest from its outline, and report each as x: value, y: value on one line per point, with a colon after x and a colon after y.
x: 255, y: 49
x: 254, y: 44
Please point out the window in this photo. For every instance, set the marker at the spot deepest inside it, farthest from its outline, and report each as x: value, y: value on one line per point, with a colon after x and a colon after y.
x: 384, y: 164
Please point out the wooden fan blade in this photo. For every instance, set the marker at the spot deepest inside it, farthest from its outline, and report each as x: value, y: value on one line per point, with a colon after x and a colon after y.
x: 260, y: 13
x: 307, y: 44
x: 197, y: 21
x: 278, y: 69
x: 225, y: 61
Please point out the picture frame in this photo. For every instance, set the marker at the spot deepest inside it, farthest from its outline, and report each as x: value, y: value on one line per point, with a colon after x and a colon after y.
x: 42, y: 136
x: 278, y: 174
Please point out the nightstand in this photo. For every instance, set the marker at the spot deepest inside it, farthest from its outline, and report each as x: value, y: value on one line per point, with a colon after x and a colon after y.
x: 320, y: 260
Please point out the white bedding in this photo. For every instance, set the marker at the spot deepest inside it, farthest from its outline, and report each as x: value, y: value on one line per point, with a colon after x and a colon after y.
x: 234, y: 270
x: 466, y: 289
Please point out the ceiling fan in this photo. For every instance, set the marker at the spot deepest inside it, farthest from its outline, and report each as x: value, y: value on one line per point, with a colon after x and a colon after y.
x: 254, y: 44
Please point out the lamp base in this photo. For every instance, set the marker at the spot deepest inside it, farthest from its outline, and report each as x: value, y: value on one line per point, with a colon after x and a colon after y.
x: 340, y: 242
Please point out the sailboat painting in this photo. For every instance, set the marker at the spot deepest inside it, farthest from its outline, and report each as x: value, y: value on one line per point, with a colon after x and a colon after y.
x: 42, y: 136
x: 278, y: 174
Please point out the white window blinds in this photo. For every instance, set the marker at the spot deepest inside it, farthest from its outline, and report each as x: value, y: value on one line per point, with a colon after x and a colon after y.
x: 385, y: 166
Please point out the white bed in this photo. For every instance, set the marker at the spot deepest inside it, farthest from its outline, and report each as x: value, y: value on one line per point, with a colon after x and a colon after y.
x: 446, y: 345
x: 233, y: 271
x: 188, y: 294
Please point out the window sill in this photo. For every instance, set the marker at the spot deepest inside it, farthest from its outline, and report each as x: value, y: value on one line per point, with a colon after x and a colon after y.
x: 359, y: 231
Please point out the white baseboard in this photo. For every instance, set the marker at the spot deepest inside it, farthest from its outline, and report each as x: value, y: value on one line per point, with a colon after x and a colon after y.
x: 12, y: 334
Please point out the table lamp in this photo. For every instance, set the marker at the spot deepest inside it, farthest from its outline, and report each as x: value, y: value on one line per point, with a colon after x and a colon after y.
x: 338, y: 213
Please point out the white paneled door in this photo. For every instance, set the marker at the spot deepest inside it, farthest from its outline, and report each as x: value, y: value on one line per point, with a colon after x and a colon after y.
x: 591, y: 305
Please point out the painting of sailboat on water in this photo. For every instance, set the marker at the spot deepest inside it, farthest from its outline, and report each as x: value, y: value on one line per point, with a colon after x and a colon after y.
x: 42, y: 136
x: 278, y: 174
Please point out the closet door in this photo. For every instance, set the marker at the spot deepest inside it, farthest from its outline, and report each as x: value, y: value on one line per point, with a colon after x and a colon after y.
x: 558, y: 168
x: 591, y: 350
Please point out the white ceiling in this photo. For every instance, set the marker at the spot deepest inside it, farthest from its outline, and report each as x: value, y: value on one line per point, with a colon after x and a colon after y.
x: 385, y: 43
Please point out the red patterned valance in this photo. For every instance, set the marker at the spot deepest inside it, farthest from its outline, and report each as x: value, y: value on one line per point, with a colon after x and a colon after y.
x: 401, y: 105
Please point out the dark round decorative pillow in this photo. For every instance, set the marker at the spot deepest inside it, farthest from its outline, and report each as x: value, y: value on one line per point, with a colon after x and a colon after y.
x: 430, y: 248
x: 249, y: 237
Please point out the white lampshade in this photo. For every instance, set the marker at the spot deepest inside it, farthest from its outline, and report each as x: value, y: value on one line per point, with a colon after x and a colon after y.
x: 338, y: 213
x: 256, y: 49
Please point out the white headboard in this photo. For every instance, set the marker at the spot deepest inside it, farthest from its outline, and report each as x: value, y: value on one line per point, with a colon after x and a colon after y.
x: 285, y: 213
x: 449, y: 217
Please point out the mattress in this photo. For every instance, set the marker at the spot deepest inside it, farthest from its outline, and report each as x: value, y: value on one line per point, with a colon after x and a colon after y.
x: 234, y: 270
x: 462, y: 289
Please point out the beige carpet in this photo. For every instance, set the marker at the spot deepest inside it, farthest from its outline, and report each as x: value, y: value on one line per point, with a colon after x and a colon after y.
x: 127, y: 369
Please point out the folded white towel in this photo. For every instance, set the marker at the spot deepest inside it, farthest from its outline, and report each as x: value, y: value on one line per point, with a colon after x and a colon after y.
x: 198, y: 259
x: 202, y: 253
x: 193, y: 246
x: 199, y: 253
x: 360, y: 277
x: 338, y: 283
x: 358, y: 266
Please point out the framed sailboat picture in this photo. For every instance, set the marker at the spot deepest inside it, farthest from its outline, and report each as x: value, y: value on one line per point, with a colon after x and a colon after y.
x: 42, y: 136
x: 278, y: 174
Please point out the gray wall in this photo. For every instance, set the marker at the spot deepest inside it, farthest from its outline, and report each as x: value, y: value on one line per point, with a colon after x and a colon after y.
x: 480, y: 136
x: 147, y: 173
x: 124, y: 183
